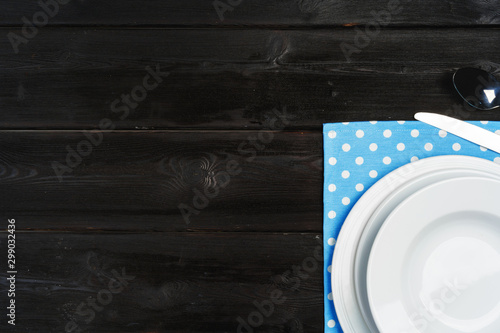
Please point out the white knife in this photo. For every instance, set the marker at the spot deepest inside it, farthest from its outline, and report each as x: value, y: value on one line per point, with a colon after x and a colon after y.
x: 462, y: 129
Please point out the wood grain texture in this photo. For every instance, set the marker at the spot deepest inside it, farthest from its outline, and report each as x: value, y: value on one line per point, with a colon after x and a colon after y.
x: 68, y: 78
x: 136, y: 180
x: 175, y: 282
x: 116, y: 212
x: 242, y: 13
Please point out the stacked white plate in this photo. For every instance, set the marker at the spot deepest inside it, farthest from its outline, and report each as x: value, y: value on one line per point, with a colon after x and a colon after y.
x: 420, y: 251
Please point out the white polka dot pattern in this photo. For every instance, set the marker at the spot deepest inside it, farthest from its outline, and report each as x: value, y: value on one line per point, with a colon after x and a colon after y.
x: 358, y: 154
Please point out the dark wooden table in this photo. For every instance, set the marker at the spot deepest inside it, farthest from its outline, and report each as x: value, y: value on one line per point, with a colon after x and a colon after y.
x: 163, y: 159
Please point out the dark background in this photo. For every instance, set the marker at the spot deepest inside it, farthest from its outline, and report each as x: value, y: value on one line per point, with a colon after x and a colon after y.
x: 118, y: 209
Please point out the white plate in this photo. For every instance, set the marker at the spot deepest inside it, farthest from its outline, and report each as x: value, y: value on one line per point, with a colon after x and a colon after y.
x: 379, y: 216
x: 435, y: 263
x: 349, y: 311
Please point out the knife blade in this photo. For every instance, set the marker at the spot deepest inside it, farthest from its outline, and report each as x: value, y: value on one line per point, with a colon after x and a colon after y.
x: 462, y: 129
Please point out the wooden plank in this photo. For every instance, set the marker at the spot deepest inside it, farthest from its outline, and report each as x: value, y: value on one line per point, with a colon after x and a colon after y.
x: 258, y: 12
x: 137, y: 180
x: 175, y: 282
x: 229, y: 79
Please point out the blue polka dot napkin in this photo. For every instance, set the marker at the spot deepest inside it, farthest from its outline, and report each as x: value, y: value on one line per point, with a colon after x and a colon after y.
x: 358, y: 154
